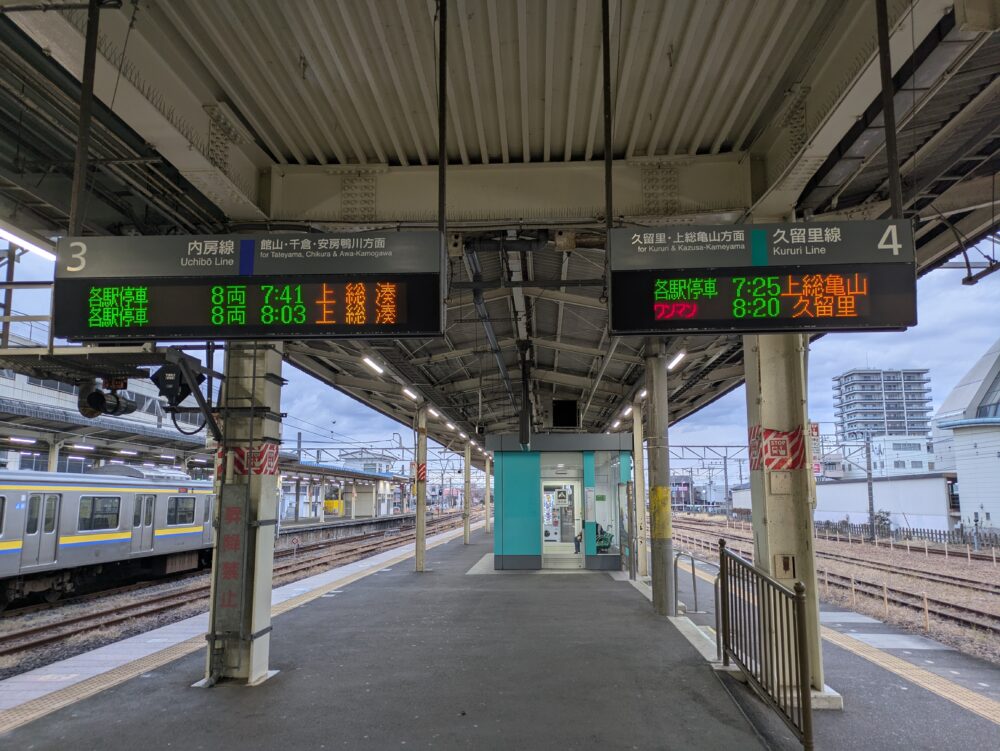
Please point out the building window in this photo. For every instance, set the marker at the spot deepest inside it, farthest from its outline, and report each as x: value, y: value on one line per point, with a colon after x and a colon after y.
x: 916, y: 465
x: 899, y: 465
x: 48, y: 383
x: 930, y: 465
x: 906, y: 447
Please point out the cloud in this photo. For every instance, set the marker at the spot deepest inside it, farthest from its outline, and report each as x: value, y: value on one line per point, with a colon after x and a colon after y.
x: 956, y: 325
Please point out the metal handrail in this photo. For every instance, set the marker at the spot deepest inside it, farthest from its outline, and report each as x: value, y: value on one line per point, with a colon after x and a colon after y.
x: 764, y: 632
x: 694, y: 578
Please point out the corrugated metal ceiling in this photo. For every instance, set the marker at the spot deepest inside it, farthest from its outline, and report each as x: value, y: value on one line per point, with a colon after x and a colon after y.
x: 355, y: 82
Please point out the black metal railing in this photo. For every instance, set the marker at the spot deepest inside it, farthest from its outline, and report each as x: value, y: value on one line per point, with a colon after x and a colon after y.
x: 763, y: 628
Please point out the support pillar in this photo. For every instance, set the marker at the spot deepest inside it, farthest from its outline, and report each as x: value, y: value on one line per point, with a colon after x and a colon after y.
x: 467, y: 500
x: 421, y: 483
x: 54, y: 447
x: 247, y: 485
x: 640, y: 488
x: 659, y: 479
x: 776, y: 366
x: 488, y: 500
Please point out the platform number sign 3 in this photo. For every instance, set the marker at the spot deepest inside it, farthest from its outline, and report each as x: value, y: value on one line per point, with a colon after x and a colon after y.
x: 79, y: 255
x: 890, y: 240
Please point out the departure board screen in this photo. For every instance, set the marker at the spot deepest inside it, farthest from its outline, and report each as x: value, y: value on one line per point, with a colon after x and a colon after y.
x: 877, y: 296
x: 230, y: 307
x: 756, y: 278
x: 271, y: 286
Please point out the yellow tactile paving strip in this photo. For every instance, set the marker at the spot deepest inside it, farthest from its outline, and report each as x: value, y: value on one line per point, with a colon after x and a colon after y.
x: 963, y: 697
x: 43, y: 705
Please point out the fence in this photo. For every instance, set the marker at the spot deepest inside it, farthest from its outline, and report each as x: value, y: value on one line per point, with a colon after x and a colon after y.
x: 900, y: 534
x: 763, y: 629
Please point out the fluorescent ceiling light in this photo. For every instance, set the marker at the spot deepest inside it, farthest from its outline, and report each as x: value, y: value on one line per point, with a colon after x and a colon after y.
x: 167, y: 456
x: 372, y: 364
x: 628, y: 410
x: 20, y: 238
x: 434, y: 413
x: 78, y: 458
x: 462, y: 434
x: 616, y: 423
x: 642, y: 394
x: 83, y: 447
x: 27, y: 441
x: 450, y: 426
x: 128, y: 453
x: 676, y: 361
x: 410, y: 394
x: 148, y: 464
x: 116, y: 461
x: 200, y: 461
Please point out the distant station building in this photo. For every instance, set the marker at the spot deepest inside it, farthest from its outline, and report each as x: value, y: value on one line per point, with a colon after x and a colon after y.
x: 32, y: 408
x: 967, y: 439
x: 872, y: 402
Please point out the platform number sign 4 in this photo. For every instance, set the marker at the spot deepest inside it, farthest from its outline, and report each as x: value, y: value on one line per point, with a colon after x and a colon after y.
x: 890, y: 240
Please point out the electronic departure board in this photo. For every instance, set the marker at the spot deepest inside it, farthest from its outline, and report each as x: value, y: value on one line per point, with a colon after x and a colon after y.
x: 273, y: 287
x: 845, y: 276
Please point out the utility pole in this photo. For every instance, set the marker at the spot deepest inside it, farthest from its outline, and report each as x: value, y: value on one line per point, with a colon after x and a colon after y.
x: 298, y: 480
x: 871, y: 488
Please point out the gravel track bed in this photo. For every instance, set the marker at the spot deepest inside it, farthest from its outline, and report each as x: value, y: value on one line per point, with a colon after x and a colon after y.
x: 22, y: 662
x: 977, y: 643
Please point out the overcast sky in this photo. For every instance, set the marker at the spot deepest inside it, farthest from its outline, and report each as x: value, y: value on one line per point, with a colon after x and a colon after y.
x: 957, y: 324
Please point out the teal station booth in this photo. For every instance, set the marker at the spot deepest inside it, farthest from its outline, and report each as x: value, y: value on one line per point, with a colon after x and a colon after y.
x: 561, y: 503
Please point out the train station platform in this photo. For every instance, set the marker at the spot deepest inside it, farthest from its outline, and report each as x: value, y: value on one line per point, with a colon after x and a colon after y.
x: 899, y: 689
x: 446, y: 659
x: 373, y: 655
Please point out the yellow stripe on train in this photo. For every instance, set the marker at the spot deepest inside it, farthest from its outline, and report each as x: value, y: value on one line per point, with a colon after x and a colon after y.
x: 103, y: 537
x: 10, y: 545
x: 178, y: 531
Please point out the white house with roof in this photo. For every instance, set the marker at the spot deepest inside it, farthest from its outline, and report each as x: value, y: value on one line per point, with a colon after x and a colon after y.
x: 967, y: 439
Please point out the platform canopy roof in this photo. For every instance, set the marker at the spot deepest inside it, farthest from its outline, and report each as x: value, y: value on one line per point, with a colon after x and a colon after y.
x: 234, y: 115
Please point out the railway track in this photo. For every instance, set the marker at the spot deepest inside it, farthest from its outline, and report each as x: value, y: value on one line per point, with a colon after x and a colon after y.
x: 15, y: 610
x: 918, y: 546
x: 294, y: 562
x: 916, y: 573
x: 941, y: 609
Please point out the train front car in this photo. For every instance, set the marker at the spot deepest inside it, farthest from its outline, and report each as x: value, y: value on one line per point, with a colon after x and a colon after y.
x: 63, y: 532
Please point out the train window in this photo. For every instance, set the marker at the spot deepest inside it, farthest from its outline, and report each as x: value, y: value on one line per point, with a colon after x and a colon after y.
x: 150, y: 501
x: 98, y: 512
x: 137, y: 511
x: 34, y: 503
x: 3, y: 511
x: 51, y: 502
x: 208, y: 510
x: 180, y: 509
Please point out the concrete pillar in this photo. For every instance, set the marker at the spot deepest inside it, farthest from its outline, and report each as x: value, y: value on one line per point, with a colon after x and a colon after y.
x: 776, y: 366
x: 488, y: 500
x: 54, y: 447
x: 640, y: 488
x: 421, y: 520
x: 659, y: 479
x: 467, y: 501
x: 247, y: 485
x: 354, y: 499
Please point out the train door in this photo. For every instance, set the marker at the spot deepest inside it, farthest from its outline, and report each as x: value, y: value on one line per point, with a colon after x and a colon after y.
x: 143, y: 516
x: 41, y: 530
